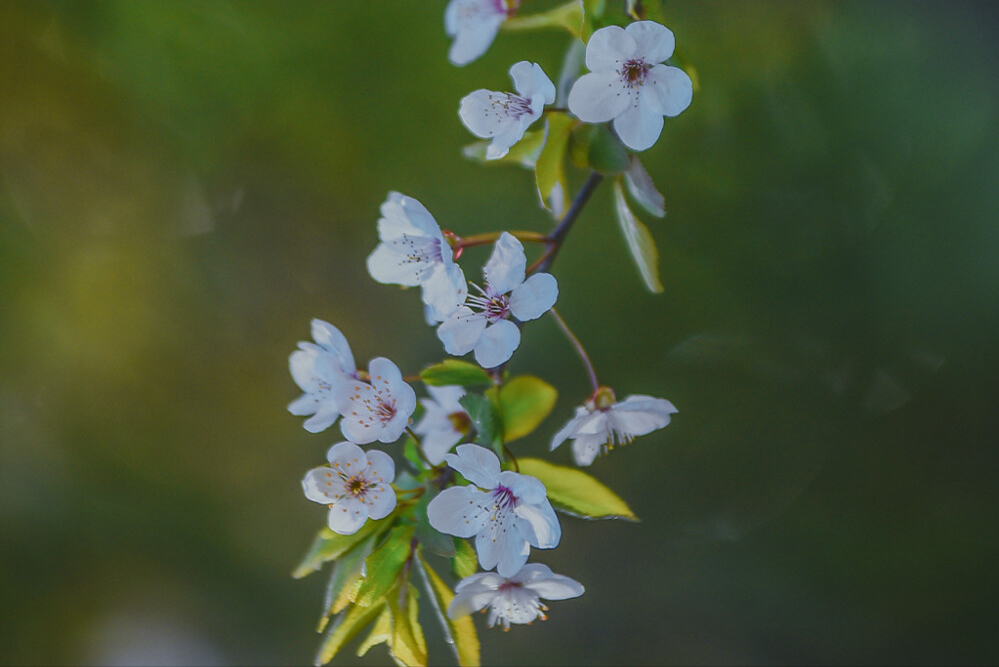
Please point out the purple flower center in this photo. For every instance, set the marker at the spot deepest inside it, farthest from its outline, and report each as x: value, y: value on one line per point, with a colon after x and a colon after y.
x: 509, y: 585
x: 633, y: 72
x: 494, y: 306
x: 504, y: 498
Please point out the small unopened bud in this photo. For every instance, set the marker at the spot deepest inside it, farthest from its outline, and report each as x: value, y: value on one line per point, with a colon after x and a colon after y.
x: 601, y: 399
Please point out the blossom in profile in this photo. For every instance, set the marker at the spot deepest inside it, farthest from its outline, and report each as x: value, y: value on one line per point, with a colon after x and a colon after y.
x: 628, y: 83
x: 505, y: 511
x: 504, y: 117
x: 378, y: 409
x: 444, y: 423
x: 602, y: 423
x: 482, y: 323
x: 473, y: 24
x: 515, y: 599
x: 413, y: 251
x: 318, y: 368
x: 356, y: 486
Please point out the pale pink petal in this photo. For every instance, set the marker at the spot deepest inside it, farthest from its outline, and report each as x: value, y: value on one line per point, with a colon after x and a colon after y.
x: 322, y: 485
x: 534, y: 297
x: 608, y: 48
x: 639, y: 126
x: 347, y: 516
x: 497, y: 344
x: 586, y: 447
x: 653, y: 41
x: 485, y: 113
x: 507, y: 264
x: 390, y: 267
x: 444, y: 289
x: 476, y: 464
x: 539, y: 525
x: 569, y: 430
x: 670, y: 89
x: 461, y: 331
x: 456, y: 511
x: 498, y: 548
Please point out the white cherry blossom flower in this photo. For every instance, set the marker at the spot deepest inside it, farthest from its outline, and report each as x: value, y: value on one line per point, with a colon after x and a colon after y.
x: 356, y: 486
x: 378, y: 409
x: 603, y: 423
x: 507, y: 512
x: 318, y: 368
x: 505, y: 116
x: 445, y: 422
x: 481, y: 324
x: 474, y: 24
x: 628, y: 84
x: 515, y: 599
x: 414, y: 252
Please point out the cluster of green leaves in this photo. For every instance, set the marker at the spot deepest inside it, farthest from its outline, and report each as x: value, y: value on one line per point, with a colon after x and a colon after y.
x: 371, y: 586
x: 566, y: 139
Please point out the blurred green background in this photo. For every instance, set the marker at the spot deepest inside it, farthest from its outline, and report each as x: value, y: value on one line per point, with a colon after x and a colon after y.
x: 184, y: 185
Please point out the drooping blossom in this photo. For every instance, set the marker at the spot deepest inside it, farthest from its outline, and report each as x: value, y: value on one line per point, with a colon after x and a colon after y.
x: 444, y: 423
x: 602, y: 423
x: 413, y: 251
x: 474, y: 24
x: 628, y: 84
x: 505, y: 511
x: 505, y: 116
x: 481, y: 324
x: 516, y: 599
x: 318, y: 368
x: 356, y: 486
x: 378, y: 409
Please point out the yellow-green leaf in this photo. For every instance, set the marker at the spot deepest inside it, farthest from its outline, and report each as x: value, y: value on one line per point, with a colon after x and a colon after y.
x: 459, y: 633
x: 639, y: 240
x: 347, y: 626
x: 346, y: 575
x: 381, y: 632
x: 465, y: 562
x: 523, y: 153
x: 550, y: 170
x: 329, y: 546
x: 574, y: 492
x: 454, y: 372
x: 568, y: 16
x: 382, y: 567
x: 523, y: 403
x: 408, y: 646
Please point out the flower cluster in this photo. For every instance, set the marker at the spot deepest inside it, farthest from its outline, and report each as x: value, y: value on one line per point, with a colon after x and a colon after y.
x: 463, y: 493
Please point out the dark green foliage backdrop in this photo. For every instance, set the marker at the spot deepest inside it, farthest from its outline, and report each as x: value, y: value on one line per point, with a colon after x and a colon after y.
x: 183, y: 185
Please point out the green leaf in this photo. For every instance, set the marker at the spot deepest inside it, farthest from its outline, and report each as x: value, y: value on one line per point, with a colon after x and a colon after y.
x: 459, y: 633
x: 381, y: 632
x: 346, y: 574
x: 329, y: 546
x: 606, y: 154
x: 523, y: 153
x: 631, y: 9
x: 455, y: 372
x: 524, y: 402
x: 347, y: 626
x: 642, y: 188
x: 568, y: 16
x: 593, y: 10
x: 639, y: 240
x: 465, y: 562
x: 428, y: 536
x: 574, y: 492
x: 408, y: 646
x: 550, y: 170
x: 483, y: 415
x: 383, y: 566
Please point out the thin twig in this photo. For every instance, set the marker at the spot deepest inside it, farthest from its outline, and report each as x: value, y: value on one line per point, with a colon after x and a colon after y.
x: 558, y: 234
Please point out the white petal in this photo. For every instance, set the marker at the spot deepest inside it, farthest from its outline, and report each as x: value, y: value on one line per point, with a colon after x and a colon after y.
x: 461, y: 331
x: 321, y: 485
x: 476, y: 464
x: 306, y: 404
x: 608, y: 48
x: 323, y: 418
x: 507, y: 264
x: 330, y: 338
x: 639, y: 415
x: 653, y: 41
x: 539, y: 525
x: 453, y: 511
x: 389, y: 267
x: 347, y: 516
x: 598, y: 97
x: 586, y: 447
x: 506, y: 138
x: 639, y: 126
x: 569, y: 430
x: 534, y: 297
x: 595, y: 423
x: 438, y: 443
x: 447, y: 397
x: 530, y: 81
x: 497, y: 344
x: 527, y: 489
x: 444, y: 289
x: 474, y: 593
x: 473, y: 37
x: 346, y: 457
x: 402, y: 215
x: 485, y: 113
x: 381, y: 467
x: 381, y: 501
x: 556, y: 587
x: 499, y: 546
x: 670, y: 87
